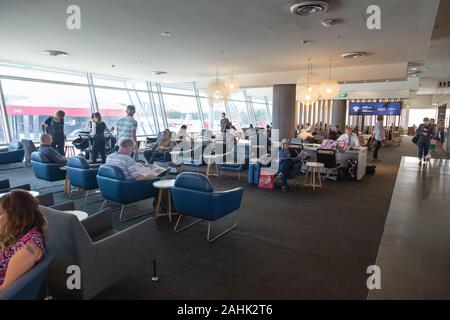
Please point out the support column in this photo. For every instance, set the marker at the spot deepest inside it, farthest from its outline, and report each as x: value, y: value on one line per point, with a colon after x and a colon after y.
x: 283, y: 113
x: 338, y: 113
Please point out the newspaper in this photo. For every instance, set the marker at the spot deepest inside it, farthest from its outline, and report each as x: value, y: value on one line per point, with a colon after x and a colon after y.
x: 153, y: 169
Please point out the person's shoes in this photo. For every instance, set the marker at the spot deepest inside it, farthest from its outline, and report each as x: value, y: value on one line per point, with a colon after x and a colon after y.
x: 420, y: 162
x: 376, y: 160
x: 284, y: 189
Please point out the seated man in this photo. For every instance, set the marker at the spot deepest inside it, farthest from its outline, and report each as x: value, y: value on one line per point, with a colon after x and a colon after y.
x: 122, y: 159
x: 348, y: 140
x: 289, y: 168
x: 162, y: 146
x: 47, y: 150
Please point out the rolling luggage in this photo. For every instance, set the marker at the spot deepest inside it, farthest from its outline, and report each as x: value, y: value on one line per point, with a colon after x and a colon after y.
x: 254, y: 170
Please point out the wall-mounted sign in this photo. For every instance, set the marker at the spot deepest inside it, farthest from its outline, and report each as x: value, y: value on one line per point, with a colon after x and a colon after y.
x: 343, y: 95
x: 375, y: 108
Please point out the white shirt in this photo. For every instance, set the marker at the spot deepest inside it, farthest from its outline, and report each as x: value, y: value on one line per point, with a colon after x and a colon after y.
x: 352, y: 141
x: 378, y: 131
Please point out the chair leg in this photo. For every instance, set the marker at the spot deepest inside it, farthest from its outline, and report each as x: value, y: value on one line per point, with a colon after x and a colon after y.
x: 104, y: 204
x: 155, y: 277
x: 185, y: 227
x: 208, y: 236
x: 86, y: 197
x: 133, y: 217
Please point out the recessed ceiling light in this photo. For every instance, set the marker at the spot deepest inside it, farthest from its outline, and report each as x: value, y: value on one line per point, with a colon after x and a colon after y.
x: 353, y: 55
x: 328, y: 23
x: 308, y: 8
x: 159, y: 73
x: 54, y: 53
x: 166, y: 33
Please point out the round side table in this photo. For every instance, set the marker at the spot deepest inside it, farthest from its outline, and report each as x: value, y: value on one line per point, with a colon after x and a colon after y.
x: 164, y: 186
x: 313, y: 173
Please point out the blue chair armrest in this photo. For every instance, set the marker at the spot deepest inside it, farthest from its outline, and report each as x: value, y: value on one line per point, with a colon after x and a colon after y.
x: 226, y: 202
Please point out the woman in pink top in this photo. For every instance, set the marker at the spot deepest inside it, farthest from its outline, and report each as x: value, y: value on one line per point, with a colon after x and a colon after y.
x: 22, y: 240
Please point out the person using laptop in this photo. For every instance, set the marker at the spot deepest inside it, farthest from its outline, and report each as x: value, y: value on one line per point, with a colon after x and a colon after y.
x: 349, y: 139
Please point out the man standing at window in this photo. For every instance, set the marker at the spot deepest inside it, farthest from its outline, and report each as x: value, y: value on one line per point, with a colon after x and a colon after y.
x: 54, y: 126
x: 127, y: 127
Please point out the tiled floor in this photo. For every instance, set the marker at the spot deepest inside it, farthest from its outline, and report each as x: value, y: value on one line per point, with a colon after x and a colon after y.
x: 414, y: 254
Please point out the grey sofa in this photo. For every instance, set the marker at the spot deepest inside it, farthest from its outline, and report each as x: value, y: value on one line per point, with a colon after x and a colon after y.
x: 104, y: 255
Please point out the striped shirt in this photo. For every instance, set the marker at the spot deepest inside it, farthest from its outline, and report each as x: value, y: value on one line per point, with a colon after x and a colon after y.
x: 125, y: 163
x: 124, y: 127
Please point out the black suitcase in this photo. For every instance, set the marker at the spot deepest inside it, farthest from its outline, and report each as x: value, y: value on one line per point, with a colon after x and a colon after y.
x: 352, y: 169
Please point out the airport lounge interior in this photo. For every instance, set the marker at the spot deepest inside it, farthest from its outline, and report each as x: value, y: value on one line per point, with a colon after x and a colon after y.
x: 224, y: 150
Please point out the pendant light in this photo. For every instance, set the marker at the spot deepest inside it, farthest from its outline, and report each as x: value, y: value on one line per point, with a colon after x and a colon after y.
x: 307, y: 92
x: 329, y: 89
x: 232, y: 83
x: 217, y: 90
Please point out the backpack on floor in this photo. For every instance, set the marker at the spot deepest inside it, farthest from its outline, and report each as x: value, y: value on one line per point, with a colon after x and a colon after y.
x: 253, y: 173
x: 352, y: 169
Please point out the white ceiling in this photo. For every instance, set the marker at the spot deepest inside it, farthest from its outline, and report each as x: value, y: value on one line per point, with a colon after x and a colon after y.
x: 254, y: 37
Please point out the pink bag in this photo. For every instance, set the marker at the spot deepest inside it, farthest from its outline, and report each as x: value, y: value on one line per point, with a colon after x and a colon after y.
x: 266, y: 180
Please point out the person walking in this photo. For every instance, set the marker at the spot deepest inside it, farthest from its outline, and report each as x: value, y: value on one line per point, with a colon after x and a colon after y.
x: 223, y: 122
x: 54, y: 126
x: 127, y: 127
x: 378, y: 136
x: 424, y: 133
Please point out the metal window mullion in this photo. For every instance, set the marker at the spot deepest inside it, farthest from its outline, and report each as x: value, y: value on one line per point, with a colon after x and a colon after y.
x: 140, y: 105
x: 199, y: 105
x: 163, y: 106
x: 94, y: 102
x: 4, y: 115
x: 153, y: 107
x: 269, y: 116
x: 250, y: 114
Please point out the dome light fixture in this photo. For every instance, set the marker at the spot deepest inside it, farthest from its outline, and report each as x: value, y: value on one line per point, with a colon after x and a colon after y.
x: 329, y: 88
x: 232, y: 83
x: 307, y: 87
x: 217, y: 90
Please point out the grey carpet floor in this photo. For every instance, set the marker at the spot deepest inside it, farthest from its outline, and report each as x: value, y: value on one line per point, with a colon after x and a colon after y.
x: 302, y: 244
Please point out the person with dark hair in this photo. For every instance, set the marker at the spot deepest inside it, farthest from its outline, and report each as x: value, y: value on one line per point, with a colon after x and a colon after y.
x: 54, y: 126
x: 424, y: 133
x: 22, y: 236
x: 183, y: 133
x: 98, y: 138
x: 223, y: 122
x: 89, y: 125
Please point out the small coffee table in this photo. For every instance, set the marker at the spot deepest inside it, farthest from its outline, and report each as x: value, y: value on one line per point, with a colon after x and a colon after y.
x: 81, y: 215
x: 163, y: 185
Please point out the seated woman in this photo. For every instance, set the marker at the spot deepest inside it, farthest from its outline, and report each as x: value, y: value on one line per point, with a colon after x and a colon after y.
x: 22, y: 236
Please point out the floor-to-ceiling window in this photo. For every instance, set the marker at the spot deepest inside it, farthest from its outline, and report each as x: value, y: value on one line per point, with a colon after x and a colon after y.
x: 34, y: 93
x: 30, y: 103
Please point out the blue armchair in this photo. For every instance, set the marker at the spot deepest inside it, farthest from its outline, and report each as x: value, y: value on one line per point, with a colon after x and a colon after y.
x: 82, y: 175
x: 46, y: 170
x: 114, y: 187
x: 27, y: 287
x: 194, y: 196
x: 13, y: 154
x: 238, y: 163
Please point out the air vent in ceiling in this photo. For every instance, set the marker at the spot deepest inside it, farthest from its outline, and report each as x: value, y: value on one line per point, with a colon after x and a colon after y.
x: 353, y: 55
x: 54, y: 53
x: 309, y: 8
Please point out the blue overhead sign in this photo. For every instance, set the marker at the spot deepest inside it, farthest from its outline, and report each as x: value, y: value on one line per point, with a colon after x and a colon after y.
x: 375, y: 108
